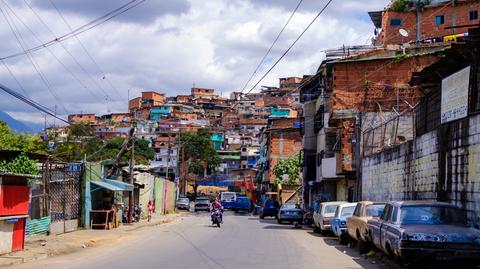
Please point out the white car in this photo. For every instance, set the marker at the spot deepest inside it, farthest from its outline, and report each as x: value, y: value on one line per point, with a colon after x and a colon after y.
x: 323, y: 216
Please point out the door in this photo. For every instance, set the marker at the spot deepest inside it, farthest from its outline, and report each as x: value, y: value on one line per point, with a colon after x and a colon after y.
x: 64, y: 197
x: 18, y: 235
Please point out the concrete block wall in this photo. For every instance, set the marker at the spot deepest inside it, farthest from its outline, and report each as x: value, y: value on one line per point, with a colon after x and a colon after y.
x: 440, y: 165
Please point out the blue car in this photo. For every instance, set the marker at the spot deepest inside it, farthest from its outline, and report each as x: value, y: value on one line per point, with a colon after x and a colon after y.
x: 339, y: 221
x: 270, y: 209
x: 423, y: 230
x: 243, y: 204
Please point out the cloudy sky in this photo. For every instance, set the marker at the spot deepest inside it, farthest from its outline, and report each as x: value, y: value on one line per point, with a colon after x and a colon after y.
x: 162, y: 45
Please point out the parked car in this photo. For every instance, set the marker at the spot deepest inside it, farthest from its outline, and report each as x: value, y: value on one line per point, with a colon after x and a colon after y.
x: 291, y: 213
x: 243, y: 204
x: 183, y: 203
x: 339, y: 221
x: 201, y: 204
x: 270, y: 209
x: 413, y: 230
x: 323, y: 216
x: 357, y: 223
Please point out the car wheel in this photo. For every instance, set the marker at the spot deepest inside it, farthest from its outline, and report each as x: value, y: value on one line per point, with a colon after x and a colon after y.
x: 316, y: 229
x: 324, y: 233
x: 262, y: 216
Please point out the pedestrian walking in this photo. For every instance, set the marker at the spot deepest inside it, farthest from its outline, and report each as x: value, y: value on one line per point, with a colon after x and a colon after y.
x: 151, y: 208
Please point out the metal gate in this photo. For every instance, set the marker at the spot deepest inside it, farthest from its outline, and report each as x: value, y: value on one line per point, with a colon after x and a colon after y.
x: 64, y: 183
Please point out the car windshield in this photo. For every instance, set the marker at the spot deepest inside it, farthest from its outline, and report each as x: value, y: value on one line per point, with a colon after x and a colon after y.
x: 348, y: 210
x: 202, y: 201
x: 375, y: 210
x: 183, y: 200
x: 330, y: 209
x: 431, y: 215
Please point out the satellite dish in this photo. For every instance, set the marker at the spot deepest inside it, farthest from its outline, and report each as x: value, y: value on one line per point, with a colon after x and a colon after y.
x: 403, y: 32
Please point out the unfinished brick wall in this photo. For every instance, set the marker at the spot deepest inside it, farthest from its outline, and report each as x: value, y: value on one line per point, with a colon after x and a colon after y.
x: 380, y: 80
x: 440, y: 165
x: 282, y: 146
x: 454, y: 16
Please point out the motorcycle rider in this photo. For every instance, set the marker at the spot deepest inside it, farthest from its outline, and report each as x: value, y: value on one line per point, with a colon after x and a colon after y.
x: 214, y: 206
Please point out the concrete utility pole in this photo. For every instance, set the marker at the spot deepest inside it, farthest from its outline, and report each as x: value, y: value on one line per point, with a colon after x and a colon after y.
x: 132, y: 164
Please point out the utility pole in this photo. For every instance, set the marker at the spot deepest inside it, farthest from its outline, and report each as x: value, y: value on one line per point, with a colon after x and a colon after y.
x: 132, y: 164
x: 169, y: 147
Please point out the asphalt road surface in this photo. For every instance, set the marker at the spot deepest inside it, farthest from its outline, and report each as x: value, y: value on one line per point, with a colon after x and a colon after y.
x: 243, y: 241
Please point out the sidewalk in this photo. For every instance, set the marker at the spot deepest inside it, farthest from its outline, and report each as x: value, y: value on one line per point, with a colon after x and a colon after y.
x: 42, y: 247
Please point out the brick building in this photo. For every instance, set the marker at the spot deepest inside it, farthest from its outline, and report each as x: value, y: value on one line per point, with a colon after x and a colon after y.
x: 82, y: 118
x: 282, y: 139
x: 202, y: 93
x: 442, y: 161
x: 435, y: 20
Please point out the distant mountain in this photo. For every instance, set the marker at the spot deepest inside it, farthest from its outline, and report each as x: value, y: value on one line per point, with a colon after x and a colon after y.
x: 20, y: 126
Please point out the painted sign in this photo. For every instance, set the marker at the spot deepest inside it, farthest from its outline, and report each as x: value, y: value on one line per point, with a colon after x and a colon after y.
x: 455, y: 96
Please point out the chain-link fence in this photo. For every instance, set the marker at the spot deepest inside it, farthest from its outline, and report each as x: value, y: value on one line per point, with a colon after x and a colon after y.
x: 64, y: 184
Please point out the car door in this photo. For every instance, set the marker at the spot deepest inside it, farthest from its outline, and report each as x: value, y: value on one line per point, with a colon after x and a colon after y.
x: 391, y: 231
x: 316, y: 215
x: 384, y: 225
x: 375, y: 227
x: 353, y: 221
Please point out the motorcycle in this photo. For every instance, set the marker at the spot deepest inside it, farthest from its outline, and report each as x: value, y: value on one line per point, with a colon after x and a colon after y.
x: 217, y: 217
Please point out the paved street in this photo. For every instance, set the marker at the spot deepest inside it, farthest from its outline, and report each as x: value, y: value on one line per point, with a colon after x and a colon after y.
x: 242, y: 242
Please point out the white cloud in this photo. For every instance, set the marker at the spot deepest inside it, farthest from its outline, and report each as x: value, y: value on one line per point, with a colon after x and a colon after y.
x: 212, y: 43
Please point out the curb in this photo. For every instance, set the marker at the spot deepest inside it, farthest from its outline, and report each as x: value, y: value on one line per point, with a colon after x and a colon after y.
x: 88, y: 243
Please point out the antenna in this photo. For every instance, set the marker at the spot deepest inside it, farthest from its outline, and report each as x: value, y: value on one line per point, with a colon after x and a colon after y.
x: 403, y: 32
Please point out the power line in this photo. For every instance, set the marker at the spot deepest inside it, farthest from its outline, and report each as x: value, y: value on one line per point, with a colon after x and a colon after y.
x: 66, y: 50
x: 19, y: 40
x: 273, y: 44
x: 86, y: 27
x: 15, y: 78
x: 293, y: 44
x: 31, y: 102
x: 104, y: 76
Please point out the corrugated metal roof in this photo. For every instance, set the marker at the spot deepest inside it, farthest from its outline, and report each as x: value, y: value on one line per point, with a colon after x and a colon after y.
x: 38, y: 226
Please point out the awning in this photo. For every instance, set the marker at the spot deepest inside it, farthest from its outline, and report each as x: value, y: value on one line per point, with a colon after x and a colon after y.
x: 113, y: 185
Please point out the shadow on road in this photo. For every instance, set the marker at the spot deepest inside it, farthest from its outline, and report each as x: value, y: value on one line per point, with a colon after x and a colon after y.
x: 280, y: 227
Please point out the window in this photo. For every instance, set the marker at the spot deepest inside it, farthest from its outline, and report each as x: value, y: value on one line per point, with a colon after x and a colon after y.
x: 473, y: 15
x: 386, y: 213
x: 357, y: 210
x: 395, y: 22
x: 440, y: 19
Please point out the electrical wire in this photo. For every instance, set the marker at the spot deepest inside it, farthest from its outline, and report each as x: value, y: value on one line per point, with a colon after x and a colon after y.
x: 19, y: 40
x: 86, y: 27
x: 104, y: 76
x: 271, y: 47
x: 66, y: 50
x: 31, y: 102
x: 292, y: 45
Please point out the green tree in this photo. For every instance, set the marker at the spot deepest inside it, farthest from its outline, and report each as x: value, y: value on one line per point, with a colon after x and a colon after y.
x: 23, y: 142
x: 199, y: 151
x: 288, y: 169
